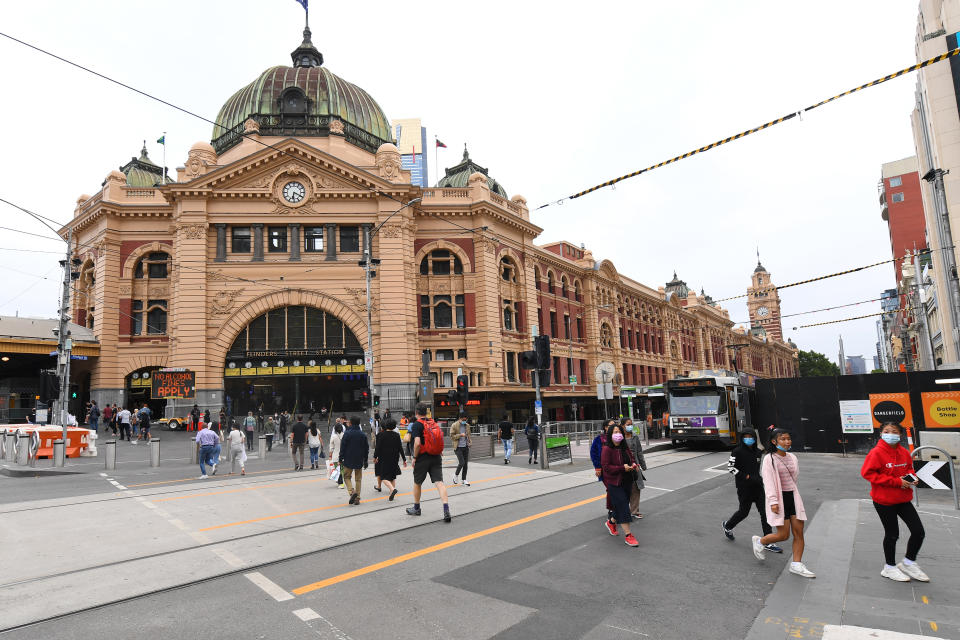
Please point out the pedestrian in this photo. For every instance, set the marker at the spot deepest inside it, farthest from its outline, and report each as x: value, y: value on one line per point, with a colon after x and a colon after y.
x: 284, y: 419
x: 387, y: 454
x: 314, y: 441
x: 505, y: 435
x: 427, y: 459
x: 596, y: 449
x: 93, y: 421
x: 780, y: 472
x: 636, y: 450
x: 744, y: 464
x: 532, y: 431
x: 206, y: 418
x: 223, y: 418
x: 108, y: 422
x: 619, y: 473
x: 298, y: 439
x: 195, y: 417
x: 271, y: 432
x: 354, y: 453
x: 237, y: 450
x: 134, y: 424
x: 462, y: 441
x: 123, y: 419
x: 335, y: 438
x: 889, y: 470
x: 143, y: 419
x: 217, y: 448
x: 249, y: 424
x: 207, y: 440
x: 407, y: 436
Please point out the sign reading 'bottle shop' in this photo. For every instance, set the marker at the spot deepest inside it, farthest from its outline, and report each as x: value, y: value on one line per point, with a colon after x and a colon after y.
x: 941, y: 409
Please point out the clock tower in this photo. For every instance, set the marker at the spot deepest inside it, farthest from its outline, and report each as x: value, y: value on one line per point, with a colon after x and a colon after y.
x: 763, y: 303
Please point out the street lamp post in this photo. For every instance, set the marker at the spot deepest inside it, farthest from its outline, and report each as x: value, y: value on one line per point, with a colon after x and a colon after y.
x: 368, y: 263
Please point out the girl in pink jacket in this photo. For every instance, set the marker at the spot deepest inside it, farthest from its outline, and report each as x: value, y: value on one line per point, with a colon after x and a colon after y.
x: 780, y: 471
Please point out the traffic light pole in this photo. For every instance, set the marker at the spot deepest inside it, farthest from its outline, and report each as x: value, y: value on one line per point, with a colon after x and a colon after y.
x: 64, y: 343
x: 368, y: 265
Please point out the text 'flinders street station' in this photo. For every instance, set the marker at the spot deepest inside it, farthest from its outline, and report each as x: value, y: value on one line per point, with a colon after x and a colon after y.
x: 245, y: 270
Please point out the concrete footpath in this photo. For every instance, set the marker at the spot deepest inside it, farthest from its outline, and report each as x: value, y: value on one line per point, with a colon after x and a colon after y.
x: 849, y: 599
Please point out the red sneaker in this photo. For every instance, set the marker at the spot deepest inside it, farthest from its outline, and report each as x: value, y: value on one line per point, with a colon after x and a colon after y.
x: 611, y: 527
x: 631, y: 541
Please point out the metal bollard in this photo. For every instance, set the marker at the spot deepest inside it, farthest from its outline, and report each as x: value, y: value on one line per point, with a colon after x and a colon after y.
x: 59, y: 453
x: 154, y: 452
x: 10, y: 446
x: 110, y: 455
x: 23, y: 449
x: 493, y: 446
x: 263, y: 447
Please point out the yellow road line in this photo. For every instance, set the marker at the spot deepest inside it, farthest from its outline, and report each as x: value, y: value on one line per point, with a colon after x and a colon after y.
x: 925, y: 599
x: 342, y: 506
x: 933, y: 625
x: 343, y: 577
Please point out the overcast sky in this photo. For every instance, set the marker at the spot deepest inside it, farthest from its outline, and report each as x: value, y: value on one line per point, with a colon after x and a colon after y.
x: 552, y: 98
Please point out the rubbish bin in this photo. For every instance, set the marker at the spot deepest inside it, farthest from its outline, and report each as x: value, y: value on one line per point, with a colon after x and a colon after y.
x: 10, y: 446
x: 262, y: 442
x: 154, y: 452
x: 110, y: 455
x: 59, y: 452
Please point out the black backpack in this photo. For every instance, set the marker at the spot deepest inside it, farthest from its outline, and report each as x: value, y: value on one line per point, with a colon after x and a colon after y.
x: 531, y: 431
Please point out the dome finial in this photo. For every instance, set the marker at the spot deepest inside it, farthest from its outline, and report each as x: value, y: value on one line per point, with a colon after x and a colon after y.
x: 306, y: 55
x: 143, y: 152
x: 466, y: 154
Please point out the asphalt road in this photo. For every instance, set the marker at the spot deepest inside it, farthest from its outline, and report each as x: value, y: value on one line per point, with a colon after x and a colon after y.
x: 535, y: 568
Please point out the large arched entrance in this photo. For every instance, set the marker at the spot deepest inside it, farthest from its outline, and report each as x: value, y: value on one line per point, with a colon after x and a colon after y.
x: 298, y: 358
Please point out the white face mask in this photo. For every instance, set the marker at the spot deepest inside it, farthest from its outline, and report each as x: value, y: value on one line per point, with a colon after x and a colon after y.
x: 891, y: 438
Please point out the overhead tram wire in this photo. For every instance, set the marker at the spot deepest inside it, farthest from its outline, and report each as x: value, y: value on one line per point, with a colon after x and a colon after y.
x: 803, y: 313
x: 869, y: 315
x: 742, y: 134
x: 32, y: 234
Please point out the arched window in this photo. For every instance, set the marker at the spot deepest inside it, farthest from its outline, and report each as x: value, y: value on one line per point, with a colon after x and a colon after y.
x: 441, y: 311
x: 563, y: 286
x: 536, y: 278
x: 441, y: 262
x: 606, y: 336
x: 508, y: 269
x: 577, y: 291
x: 156, y: 316
x: 509, y: 316
x: 550, y: 282
x: 153, y: 266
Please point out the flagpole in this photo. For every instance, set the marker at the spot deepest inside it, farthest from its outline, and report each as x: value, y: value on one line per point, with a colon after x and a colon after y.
x: 436, y: 165
x: 164, y: 181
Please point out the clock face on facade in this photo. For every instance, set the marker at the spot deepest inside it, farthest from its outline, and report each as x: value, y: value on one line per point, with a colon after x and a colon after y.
x: 294, y: 192
x: 763, y: 312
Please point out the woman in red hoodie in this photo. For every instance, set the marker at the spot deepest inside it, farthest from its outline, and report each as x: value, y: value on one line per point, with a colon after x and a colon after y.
x: 885, y: 469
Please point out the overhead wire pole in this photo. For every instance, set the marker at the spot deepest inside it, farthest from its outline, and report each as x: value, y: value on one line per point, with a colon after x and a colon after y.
x: 64, y: 342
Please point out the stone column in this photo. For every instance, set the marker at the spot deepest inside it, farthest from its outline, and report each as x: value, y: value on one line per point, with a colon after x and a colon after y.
x: 221, y: 243
x: 257, y: 243
x: 294, y: 242
x: 330, y: 236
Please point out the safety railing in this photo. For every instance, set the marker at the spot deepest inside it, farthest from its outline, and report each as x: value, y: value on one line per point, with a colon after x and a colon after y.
x: 949, y: 465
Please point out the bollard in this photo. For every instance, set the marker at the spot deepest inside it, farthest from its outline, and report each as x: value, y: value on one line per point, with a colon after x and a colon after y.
x: 493, y: 447
x: 10, y: 446
x: 59, y: 452
x: 263, y: 447
x: 194, y: 455
x: 23, y: 449
x: 110, y: 455
x: 154, y: 452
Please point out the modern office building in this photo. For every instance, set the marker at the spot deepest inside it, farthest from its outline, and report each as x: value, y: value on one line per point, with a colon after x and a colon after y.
x: 411, y: 137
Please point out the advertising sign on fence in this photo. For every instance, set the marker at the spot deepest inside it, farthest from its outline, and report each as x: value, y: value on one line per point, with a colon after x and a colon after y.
x: 941, y: 409
x: 855, y: 416
x: 891, y: 407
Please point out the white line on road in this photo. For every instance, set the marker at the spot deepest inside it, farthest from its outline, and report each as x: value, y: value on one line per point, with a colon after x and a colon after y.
x: 228, y: 557
x: 306, y: 614
x: 647, y: 486
x: 628, y: 631
x: 271, y: 588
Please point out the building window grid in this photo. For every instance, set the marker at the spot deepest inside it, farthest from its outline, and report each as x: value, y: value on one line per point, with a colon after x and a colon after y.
x: 240, y: 240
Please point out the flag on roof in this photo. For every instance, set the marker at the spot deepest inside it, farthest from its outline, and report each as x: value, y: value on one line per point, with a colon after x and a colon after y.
x: 440, y: 145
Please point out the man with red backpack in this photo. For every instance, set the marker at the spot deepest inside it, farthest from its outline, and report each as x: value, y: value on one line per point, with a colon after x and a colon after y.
x: 427, y: 438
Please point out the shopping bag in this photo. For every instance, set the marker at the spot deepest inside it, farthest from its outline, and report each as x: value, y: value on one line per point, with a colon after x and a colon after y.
x: 243, y: 456
x: 335, y: 474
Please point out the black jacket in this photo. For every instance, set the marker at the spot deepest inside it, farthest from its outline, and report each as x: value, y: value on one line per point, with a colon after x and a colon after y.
x: 744, y: 464
x: 354, y: 448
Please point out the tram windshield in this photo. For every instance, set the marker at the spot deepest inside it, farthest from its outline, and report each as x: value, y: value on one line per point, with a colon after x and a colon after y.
x: 697, y: 403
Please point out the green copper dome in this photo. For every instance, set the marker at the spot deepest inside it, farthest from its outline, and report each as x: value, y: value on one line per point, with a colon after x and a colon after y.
x: 459, y: 176
x: 303, y: 100
x: 142, y: 172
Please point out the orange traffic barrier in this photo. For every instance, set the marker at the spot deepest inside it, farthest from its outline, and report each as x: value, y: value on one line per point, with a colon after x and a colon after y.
x: 77, y: 439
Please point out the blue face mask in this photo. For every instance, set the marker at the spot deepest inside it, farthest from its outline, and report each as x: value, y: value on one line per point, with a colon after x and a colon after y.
x: 782, y: 448
x: 629, y: 428
x: 891, y: 438
x: 749, y: 441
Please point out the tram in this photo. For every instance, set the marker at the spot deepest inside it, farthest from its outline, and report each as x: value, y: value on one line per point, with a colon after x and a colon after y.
x: 710, y: 406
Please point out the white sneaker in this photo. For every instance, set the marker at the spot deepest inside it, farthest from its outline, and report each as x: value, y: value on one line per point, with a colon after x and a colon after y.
x: 800, y: 569
x: 913, y: 570
x: 466, y: 484
x: 455, y: 480
x: 202, y: 477
x: 895, y: 574
x: 758, y: 549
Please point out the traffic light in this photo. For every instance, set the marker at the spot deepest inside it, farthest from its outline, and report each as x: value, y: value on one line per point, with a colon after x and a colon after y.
x: 365, y: 399
x: 452, y: 396
x: 376, y: 401
x: 544, y: 378
x: 73, y: 391
x: 50, y: 385
x: 528, y: 359
x: 463, y: 390
x: 541, y: 344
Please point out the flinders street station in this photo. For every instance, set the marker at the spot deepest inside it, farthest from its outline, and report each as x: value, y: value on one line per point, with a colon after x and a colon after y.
x: 244, y: 266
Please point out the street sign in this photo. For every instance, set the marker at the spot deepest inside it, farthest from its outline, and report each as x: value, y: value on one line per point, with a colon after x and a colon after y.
x: 933, y: 474
x: 172, y: 384
x: 627, y: 392
x: 605, y: 391
x: 368, y: 360
x: 573, y: 379
x: 538, y: 407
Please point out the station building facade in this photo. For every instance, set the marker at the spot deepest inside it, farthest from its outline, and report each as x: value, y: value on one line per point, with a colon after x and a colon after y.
x: 243, y: 267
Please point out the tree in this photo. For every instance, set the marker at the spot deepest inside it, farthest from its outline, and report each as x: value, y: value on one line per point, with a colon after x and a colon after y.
x: 878, y: 371
x: 813, y: 363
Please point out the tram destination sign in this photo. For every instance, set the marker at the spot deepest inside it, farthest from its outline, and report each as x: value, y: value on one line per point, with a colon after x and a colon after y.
x: 173, y: 384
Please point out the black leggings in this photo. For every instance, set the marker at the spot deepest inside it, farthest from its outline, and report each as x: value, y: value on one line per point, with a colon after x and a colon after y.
x: 891, y: 529
x: 534, y: 445
x: 463, y: 457
x: 750, y: 496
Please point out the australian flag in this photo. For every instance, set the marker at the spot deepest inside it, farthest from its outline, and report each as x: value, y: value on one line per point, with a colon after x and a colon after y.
x: 303, y: 3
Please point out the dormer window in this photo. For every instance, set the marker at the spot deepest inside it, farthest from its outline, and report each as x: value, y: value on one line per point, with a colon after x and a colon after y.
x: 293, y: 100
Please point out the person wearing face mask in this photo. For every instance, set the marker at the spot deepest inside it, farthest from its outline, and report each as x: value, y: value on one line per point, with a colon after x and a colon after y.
x: 619, y: 470
x: 636, y: 450
x: 744, y: 464
x: 889, y: 470
x: 780, y: 471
